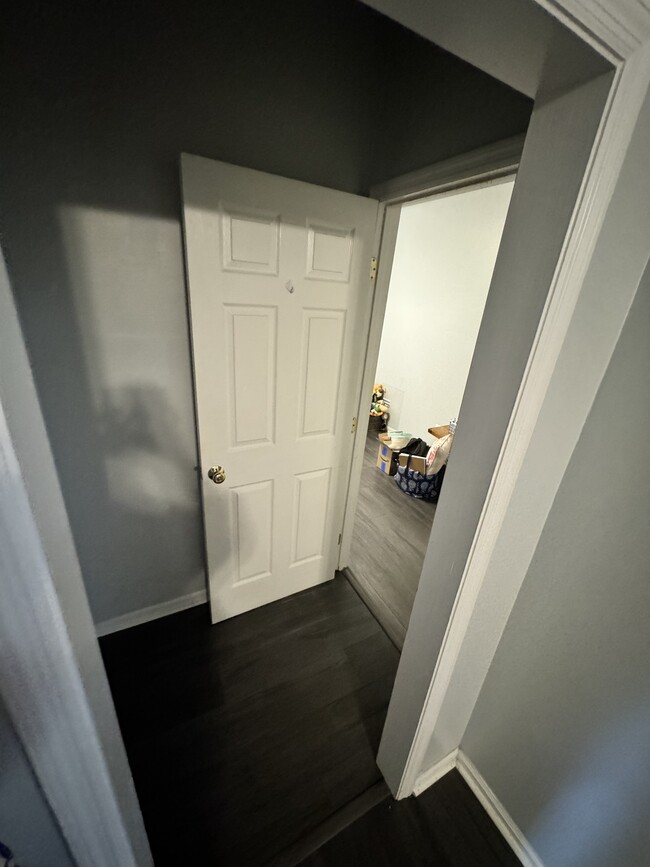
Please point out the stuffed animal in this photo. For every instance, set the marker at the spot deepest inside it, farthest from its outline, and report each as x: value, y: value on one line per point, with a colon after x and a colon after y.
x: 378, y: 407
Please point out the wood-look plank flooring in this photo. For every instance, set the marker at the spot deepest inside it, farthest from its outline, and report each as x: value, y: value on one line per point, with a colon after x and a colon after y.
x: 390, y: 537
x: 445, y: 827
x: 246, y: 736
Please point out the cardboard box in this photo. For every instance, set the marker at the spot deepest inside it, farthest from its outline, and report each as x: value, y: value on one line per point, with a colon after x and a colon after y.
x: 418, y: 464
x: 440, y: 431
x: 387, y: 459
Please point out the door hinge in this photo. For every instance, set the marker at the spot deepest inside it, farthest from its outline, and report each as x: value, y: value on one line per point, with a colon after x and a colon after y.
x: 354, y: 425
x: 340, y: 537
x: 373, y: 268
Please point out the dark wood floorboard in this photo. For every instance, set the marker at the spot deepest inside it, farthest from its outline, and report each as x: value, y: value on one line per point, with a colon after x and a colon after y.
x: 445, y: 827
x: 390, y: 537
x: 246, y: 736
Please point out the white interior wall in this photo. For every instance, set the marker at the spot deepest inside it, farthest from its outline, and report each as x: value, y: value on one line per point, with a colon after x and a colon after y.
x: 444, y: 258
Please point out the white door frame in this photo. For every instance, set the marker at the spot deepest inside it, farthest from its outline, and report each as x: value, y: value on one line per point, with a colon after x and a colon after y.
x: 434, y: 695
x: 475, y: 168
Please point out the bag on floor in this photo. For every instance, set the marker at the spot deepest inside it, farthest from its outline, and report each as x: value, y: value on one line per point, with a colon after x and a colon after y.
x: 438, y: 454
x: 415, y: 447
x: 418, y: 485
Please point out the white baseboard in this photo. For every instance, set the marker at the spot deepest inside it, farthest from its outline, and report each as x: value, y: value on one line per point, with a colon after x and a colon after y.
x: 497, y: 812
x: 432, y: 775
x: 153, y: 612
x: 489, y: 801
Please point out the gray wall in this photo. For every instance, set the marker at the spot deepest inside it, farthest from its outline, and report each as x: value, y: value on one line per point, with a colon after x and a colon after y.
x: 48, y: 646
x: 556, y: 152
x: 100, y: 101
x: 26, y: 823
x: 433, y: 106
x: 561, y: 728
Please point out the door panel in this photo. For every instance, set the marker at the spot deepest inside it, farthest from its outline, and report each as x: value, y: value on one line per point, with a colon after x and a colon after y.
x: 310, y: 513
x: 250, y: 334
x: 253, y: 506
x: 280, y: 299
x: 322, y: 340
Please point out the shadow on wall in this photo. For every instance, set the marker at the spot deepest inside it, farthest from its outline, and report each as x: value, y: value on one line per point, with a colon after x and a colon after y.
x: 102, y: 101
x: 132, y: 471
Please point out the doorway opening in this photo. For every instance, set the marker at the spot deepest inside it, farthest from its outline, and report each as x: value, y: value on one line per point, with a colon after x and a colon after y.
x: 444, y: 256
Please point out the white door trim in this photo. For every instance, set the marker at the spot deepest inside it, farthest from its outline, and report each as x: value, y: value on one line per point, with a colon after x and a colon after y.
x: 52, y: 680
x: 616, y: 29
x: 490, y: 164
x: 387, y: 224
x: 621, y: 34
x: 496, y: 160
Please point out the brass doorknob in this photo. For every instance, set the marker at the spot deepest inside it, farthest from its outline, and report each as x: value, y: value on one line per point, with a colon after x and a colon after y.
x: 217, y: 474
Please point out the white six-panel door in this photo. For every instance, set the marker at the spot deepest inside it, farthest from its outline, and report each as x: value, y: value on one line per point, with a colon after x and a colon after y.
x: 280, y: 299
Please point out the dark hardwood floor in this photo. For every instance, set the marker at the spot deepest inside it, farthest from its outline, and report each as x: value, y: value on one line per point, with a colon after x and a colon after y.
x: 245, y: 737
x: 253, y: 742
x: 445, y: 827
x: 390, y: 538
